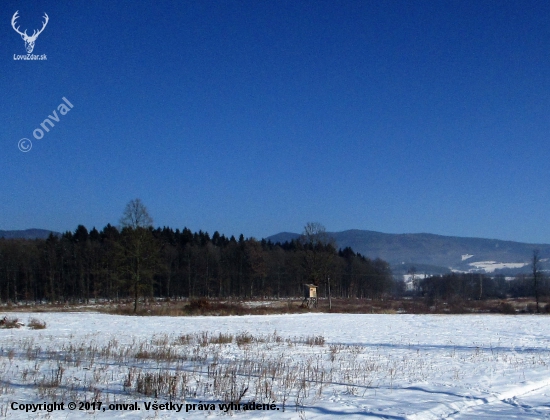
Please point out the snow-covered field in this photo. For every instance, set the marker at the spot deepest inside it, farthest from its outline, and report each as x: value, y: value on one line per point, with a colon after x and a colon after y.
x: 312, y: 365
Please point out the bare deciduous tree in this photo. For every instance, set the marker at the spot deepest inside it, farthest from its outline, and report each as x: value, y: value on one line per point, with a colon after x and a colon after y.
x: 315, y: 234
x: 136, y: 215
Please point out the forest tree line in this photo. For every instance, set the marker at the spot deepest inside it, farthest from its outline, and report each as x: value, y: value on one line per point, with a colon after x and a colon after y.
x: 137, y: 261
x: 478, y: 286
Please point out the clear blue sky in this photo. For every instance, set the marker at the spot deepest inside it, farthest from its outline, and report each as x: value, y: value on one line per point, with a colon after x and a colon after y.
x: 256, y: 117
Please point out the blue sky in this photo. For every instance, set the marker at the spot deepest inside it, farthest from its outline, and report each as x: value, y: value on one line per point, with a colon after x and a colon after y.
x: 256, y: 117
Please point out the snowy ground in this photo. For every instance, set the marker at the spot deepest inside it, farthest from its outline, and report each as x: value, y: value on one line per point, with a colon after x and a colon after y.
x: 313, y: 366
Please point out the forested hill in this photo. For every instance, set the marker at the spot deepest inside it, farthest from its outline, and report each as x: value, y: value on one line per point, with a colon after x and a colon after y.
x: 27, y: 234
x: 458, y: 253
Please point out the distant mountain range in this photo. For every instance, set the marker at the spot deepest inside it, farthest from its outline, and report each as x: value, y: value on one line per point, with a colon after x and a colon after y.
x: 27, y: 234
x: 436, y: 254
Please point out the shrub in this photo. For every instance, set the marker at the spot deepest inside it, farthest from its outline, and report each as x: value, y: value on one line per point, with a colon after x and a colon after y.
x: 10, y: 323
x: 36, y: 324
x: 318, y: 340
x: 507, y: 308
x: 244, y: 338
x: 198, y: 305
x: 531, y: 308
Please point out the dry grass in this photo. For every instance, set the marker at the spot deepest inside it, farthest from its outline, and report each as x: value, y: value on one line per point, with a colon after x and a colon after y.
x: 216, y: 307
x: 181, y: 367
x: 36, y: 324
x: 227, y: 367
x: 317, y: 340
x: 203, y: 307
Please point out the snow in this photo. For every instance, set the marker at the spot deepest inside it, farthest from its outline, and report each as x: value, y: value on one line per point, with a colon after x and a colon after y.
x: 374, y: 366
x: 466, y: 256
x: 491, y: 266
x: 409, y: 277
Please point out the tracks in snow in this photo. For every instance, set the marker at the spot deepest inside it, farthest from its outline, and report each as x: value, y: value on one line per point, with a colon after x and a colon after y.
x: 446, y: 410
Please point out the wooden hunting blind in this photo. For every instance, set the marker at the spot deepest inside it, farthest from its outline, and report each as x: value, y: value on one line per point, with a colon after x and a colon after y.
x: 310, y: 295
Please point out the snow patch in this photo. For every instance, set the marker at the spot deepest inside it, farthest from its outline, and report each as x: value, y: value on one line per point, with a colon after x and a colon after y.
x: 409, y: 277
x: 409, y: 282
x: 466, y: 256
x: 491, y: 266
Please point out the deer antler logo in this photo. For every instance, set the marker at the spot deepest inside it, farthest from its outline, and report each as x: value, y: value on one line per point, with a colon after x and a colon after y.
x: 29, y: 40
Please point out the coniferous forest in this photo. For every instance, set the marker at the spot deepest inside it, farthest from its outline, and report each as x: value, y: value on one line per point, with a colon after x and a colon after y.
x: 136, y: 261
